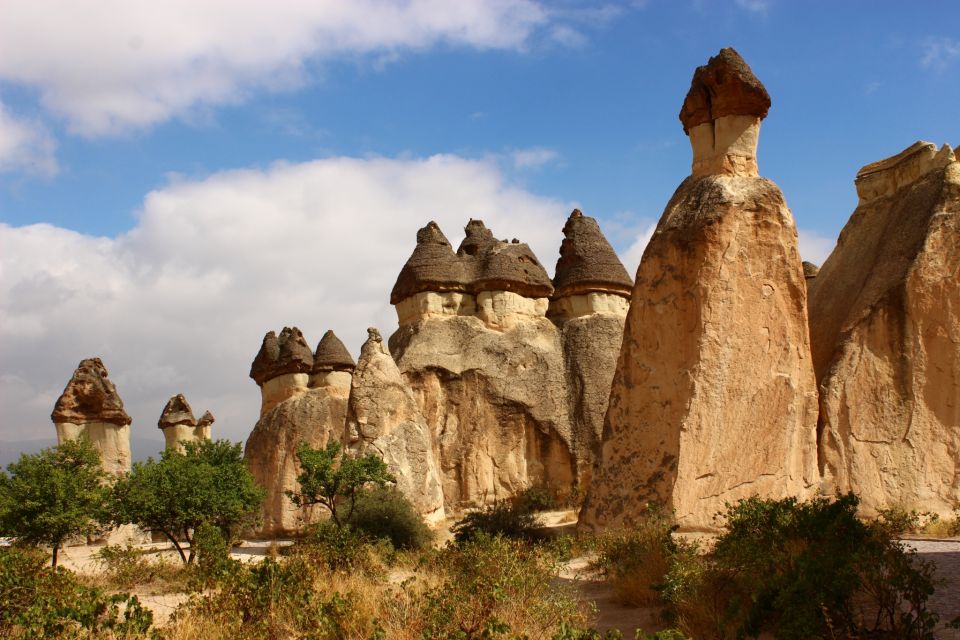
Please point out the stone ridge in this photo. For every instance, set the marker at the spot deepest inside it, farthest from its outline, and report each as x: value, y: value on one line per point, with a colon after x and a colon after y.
x: 587, y: 261
x: 725, y: 86
x: 177, y: 411
x: 481, y: 263
x: 90, y: 396
x: 433, y: 266
x: 332, y: 355
x: 288, y: 353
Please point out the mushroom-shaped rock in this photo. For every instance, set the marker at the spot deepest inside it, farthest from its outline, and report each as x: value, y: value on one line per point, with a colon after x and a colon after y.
x: 810, y: 270
x: 477, y: 241
x: 332, y: 355
x: 722, y: 114
x: 90, y: 396
x: 288, y: 353
x: 206, y: 419
x: 513, y: 267
x: 91, y: 407
x: 433, y: 266
x: 587, y: 261
x: 176, y: 412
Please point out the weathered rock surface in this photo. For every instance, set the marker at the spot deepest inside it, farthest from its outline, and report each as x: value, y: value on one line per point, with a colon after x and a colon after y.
x: 312, y: 409
x: 282, y: 367
x: 91, y: 407
x: 714, y: 396
x: 179, y: 426
x: 384, y: 417
x: 885, y: 329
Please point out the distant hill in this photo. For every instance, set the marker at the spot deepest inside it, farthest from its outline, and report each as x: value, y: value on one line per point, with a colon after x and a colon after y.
x: 10, y: 451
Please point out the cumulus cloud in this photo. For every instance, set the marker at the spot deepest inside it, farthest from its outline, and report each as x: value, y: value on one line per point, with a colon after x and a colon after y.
x: 25, y: 145
x: 754, y: 6
x: 814, y: 247
x: 180, y: 303
x: 117, y: 65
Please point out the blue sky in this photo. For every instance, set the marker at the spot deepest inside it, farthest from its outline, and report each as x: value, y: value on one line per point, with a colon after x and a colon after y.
x: 176, y: 180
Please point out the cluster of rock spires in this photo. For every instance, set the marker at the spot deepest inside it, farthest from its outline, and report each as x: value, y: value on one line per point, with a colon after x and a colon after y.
x: 495, y: 380
x: 729, y: 368
x: 90, y: 407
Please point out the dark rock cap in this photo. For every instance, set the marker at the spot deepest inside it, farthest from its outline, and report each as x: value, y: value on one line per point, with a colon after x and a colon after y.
x: 288, y: 353
x: 810, y: 270
x: 206, y: 419
x: 588, y: 262
x: 433, y: 266
x: 477, y: 240
x: 90, y: 397
x: 725, y: 86
x: 498, y: 265
x: 177, y: 411
x: 332, y: 355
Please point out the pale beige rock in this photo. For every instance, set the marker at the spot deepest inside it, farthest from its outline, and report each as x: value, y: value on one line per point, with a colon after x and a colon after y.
x: 504, y: 309
x: 384, y: 418
x: 283, y: 387
x: 313, y: 417
x: 180, y: 427
x: 714, y: 396
x: 431, y: 304
x: 885, y: 328
x: 495, y: 401
x: 90, y: 407
x: 576, y: 306
x: 727, y: 145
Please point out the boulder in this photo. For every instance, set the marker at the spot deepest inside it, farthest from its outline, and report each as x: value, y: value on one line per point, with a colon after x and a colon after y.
x: 91, y: 407
x: 714, y: 396
x: 885, y: 330
x: 384, y: 418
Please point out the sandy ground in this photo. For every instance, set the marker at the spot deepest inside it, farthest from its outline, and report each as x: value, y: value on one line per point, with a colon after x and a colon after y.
x: 944, y: 553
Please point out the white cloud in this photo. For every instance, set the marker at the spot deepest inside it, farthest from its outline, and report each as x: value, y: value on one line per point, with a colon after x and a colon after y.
x: 939, y: 52
x: 117, y: 65
x: 631, y: 256
x: 533, y: 158
x: 181, y: 302
x: 25, y: 145
x: 814, y: 247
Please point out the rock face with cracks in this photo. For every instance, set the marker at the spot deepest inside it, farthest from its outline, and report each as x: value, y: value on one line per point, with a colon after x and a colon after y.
x: 384, y: 418
x: 714, y: 396
x: 90, y: 407
x: 885, y: 327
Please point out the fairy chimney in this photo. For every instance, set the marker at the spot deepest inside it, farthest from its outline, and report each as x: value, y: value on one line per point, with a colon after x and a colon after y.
x: 179, y: 426
x: 332, y: 364
x: 91, y: 407
x: 282, y: 367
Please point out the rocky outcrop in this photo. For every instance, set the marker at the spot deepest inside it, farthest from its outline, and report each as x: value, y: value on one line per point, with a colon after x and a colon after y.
x: 384, y: 418
x: 91, y: 407
x: 313, y: 410
x: 810, y: 271
x: 885, y: 329
x: 714, y: 396
x: 179, y: 426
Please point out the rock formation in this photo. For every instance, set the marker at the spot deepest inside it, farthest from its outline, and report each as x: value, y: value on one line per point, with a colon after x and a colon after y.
x: 714, y: 396
x: 91, y: 407
x: 510, y: 396
x: 384, y: 418
x: 179, y: 426
x: 591, y: 296
x: 885, y: 331
x: 304, y: 400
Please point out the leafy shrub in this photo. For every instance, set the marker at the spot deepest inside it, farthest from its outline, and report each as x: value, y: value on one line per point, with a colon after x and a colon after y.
x: 385, y: 513
x: 338, y: 547
x: 537, y: 498
x: 635, y: 561
x: 213, y: 561
x: 494, y: 586
x: 502, y: 518
x: 44, y: 602
x: 802, y: 570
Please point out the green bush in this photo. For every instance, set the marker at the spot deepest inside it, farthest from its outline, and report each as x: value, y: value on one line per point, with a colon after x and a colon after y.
x: 537, y: 498
x: 338, y: 547
x: 502, y: 518
x: 385, y: 513
x: 43, y: 602
x: 635, y: 561
x: 802, y: 570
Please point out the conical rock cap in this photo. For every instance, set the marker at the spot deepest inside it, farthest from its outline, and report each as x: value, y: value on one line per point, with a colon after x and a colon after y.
x: 725, y: 86
x: 177, y: 411
x: 279, y: 355
x: 332, y: 355
x: 587, y: 261
x: 90, y: 396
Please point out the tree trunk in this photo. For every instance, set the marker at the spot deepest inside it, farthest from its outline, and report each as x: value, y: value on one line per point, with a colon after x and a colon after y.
x: 176, y: 544
x: 56, y: 550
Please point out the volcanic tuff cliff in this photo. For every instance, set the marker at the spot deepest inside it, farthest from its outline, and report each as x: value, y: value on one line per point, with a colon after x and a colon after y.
x: 885, y: 327
x: 714, y: 396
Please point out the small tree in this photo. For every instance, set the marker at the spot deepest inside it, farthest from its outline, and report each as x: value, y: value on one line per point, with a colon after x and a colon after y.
x: 331, y: 475
x: 207, y: 483
x: 53, y: 495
